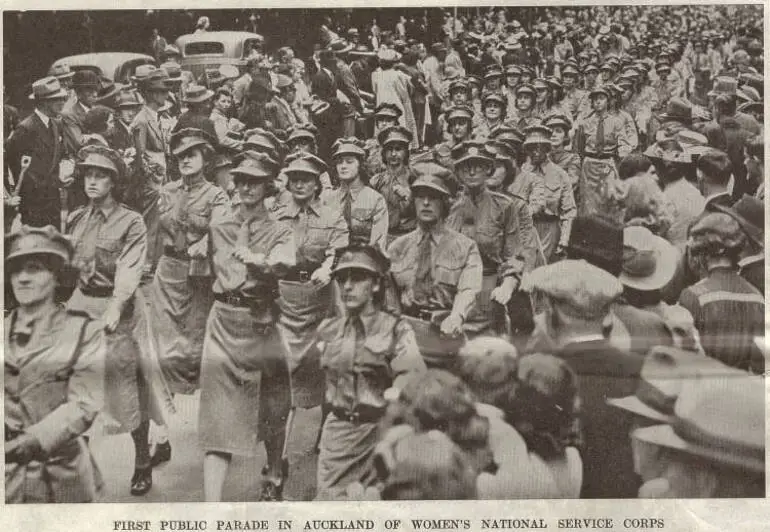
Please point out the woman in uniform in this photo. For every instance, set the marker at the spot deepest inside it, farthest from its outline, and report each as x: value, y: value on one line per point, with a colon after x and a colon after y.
x: 564, y: 158
x: 245, y: 388
x: 110, y: 252
x: 54, y: 375
x: 363, y: 208
x: 305, y: 292
x: 394, y: 182
x: 365, y: 351
x: 494, y: 106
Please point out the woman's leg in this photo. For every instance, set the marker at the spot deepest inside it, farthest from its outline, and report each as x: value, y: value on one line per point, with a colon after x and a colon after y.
x: 215, y: 465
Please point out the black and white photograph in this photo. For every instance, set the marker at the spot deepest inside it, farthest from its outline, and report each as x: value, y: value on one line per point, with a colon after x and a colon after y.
x: 384, y: 253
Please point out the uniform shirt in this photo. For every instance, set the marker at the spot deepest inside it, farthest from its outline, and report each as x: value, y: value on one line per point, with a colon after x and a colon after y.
x: 360, y: 366
x: 569, y: 162
x: 529, y: 187
x: 368, y: 214
x: 185, y: 211
x: 559, y: 200
x: 455, y: 267
x: 110, y: 248
x: 507, y: 247
x: 401, y: 215
x: 630, y: 128
x: 260, y: 234
x: 615, y: 137
x: 728, y: 312
x: 318, y: 231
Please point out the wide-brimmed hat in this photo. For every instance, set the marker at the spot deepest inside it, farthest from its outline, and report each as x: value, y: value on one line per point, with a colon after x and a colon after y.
x: 348, y: 146
x: 598, y: 240
x: 388, y: 55
x: 394, y: 135
x: 305, y: 163
x: 432, y: 176
x: 537, y: 135
x: 142, y: 72
x: 580, y: 288
x: 47, y: 240
x: 108, y: 92
x: 61, y: 71
x: 663, y: 375
x: 657, y: 153
x: 720, y: 419
x: 156, y: 80
x: 190, y: 137
x: 649, y: 261
x: 253, y: 165
x: 339, y: 46
x: 471, y: 151
x: 96, y: 156
x: 362, y: 50
x: 677, y: 109
x: 85, y: 78
x: 749, y: 212
x: 197, y: 94
x: 48, y: 88
x: 360, y: 257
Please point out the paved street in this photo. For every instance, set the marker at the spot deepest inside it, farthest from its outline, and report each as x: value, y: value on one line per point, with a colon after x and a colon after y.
x: 181, y: 479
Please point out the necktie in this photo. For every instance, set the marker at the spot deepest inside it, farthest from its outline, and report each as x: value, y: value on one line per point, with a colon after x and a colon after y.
x: 423, y: 279
x: 236, y: 273
x: 88, y: 246
x: 301, y: 230
x: 349, y: 386
x: 347, y: 202
x: 22, y: 333
x: 600, y: 135
x: 180, y: 238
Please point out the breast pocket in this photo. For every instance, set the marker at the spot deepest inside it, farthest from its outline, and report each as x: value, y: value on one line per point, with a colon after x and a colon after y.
x: 552, y: 197
x: 45, y: 394
x: 107, y: 253
x: 373, y: 361
x: 361, y: 220
x: 447, y: 273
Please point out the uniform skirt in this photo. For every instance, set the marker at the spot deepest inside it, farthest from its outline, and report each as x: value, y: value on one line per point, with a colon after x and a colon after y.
x: 345, y: 453
x: 178, y: 308
x: 134, y: 389
x: 599, y: 189
x: 549, y: 232
x: 245, y: 394
x: 303, y: 305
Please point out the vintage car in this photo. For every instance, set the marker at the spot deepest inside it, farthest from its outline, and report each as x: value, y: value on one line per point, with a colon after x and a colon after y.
x: 117, y: 66
x: 212, y: 49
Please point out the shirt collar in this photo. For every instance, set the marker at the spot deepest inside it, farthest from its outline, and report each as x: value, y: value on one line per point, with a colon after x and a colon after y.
x: 293, y: 208
x: 435, y: 234
x: 45, y: 118
x: 105, y: 210
x: 83, y: 106
x: 368, y: 319
x: 354, y: 189
x: 718, y: 194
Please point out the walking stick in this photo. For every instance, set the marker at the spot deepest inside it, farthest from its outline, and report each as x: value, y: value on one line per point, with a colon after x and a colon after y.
x: 66, y: 168
x: 26, y: 161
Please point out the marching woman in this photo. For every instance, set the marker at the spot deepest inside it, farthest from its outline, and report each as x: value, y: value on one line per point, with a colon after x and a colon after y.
x: 561, y: 155
x: 394, y: 182
x: 363, y: 208
x: 245, y: 388
x: 365, y: 351
x: 305, y: 292
x: 110, y: 252
x: 54, y: 376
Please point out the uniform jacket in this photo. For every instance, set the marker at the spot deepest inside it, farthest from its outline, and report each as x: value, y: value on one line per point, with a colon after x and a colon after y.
x: 53, y: 390
x: 40, y: 190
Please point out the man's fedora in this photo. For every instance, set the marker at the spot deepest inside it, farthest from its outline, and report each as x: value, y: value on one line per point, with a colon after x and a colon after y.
x: 47, y: 88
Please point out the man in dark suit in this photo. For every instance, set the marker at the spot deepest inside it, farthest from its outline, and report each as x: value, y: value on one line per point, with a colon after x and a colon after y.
x: 127, y: 106
x: 85, y: 83
x: 714, y: 170
x: 39, y: 136
x: 578, y: 297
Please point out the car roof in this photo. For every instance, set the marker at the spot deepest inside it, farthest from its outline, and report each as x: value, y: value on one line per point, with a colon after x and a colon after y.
x: 217, y: 35
x: 106, y: 61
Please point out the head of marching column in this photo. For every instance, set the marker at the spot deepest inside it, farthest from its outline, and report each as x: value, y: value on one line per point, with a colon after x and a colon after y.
x: 95, y: 162
x: 38, y: 265
x: 359, y: 269
x: 395, y: 142
x: 304, y: 168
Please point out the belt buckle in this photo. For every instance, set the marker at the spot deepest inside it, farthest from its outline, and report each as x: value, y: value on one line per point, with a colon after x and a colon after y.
x: 425, y: 315
x: 304, y: 276
x: 232, y: 299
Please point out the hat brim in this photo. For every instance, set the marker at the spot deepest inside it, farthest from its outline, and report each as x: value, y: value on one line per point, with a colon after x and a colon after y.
x: 665, y: 268
x: 200, y: 99
x: 468, y: 158
x: 248, y: 174
x: 348, y: 151
x: 114, y: 91
x: 188, y: 143
x: 60, y: 77
x: 360, y: 266
x: 86, y: 164
x: 634, y: 405
x: 665, y: 436
x: 60, y: 95
x: 429, y: 186
x: 19, y: 254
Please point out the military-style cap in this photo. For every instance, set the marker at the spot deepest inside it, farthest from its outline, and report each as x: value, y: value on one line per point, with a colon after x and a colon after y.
x: 474, y: 80
x: 493, y: 97
x: 348, y: 146
x: 190, y: 137
x: 471, y: 151
x: 493, y: 72
x: 660, y: 66
x: 360, y: 257
x: 601, y: 91
x: 388, y: 110
x: 581, y: 289
x: 97, y: 156
x: 590, y: 67
x: 507, y: 133
x: 513, y: 70
x: 537, y: 135
x: 303, y: 132
x: 255, y: 165
x: 525, y: 88
x: 260, y: 139
x: 562, y: 121
x: 459, y: 112
x: 433, y: 176
x: 458, y: 84
x: 29, y: 240
x: 394, y: 135
x: 540, y: 84
x: 305, y: 163
x: 500, y: 150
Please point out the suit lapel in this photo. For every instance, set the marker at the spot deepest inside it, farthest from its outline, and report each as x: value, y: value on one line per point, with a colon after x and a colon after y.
x: 44, y: 134
x: 155, y: 127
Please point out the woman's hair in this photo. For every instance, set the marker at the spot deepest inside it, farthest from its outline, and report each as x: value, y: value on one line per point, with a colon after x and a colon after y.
x: 362, y: 173
x: 489, y: 367
x: 632, y: 164
x: 543, y: 409
x: 95, y: 120
x: 646, y: 206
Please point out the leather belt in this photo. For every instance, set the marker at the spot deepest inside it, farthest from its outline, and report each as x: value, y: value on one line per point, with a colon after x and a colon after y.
x: 171, y: 251
x: 101, y: 291
x: 234, y: 300
x: 600, y: 156
x: 360, y: 414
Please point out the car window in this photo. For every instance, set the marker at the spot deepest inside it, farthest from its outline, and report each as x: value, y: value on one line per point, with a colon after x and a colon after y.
x: 92, y: 68
x: 201, y: 48
x: 128, y: 69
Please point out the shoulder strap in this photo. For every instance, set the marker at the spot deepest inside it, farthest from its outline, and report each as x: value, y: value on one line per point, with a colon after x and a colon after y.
x: 72, y: 342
